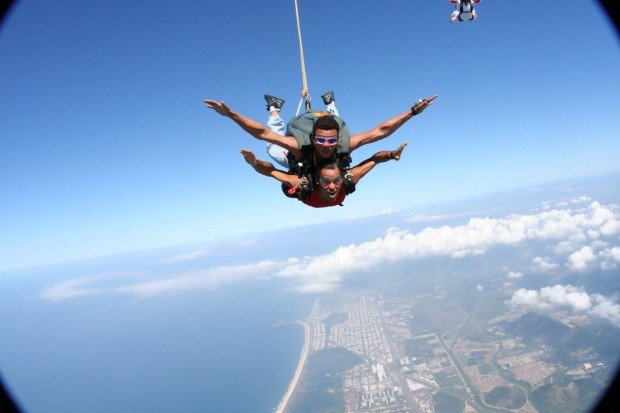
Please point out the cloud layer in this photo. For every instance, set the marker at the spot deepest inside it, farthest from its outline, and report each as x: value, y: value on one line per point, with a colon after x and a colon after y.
x: 573, y: 228
x: 144, y: 285
x: 582, y: 239
x: 568, y: 297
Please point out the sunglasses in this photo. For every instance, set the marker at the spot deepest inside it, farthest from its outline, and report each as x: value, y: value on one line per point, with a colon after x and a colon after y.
x: 322, y: 139
x: 325, y: 181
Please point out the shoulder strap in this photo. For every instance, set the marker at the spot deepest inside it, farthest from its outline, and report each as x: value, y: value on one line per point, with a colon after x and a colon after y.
x: 344, y: 137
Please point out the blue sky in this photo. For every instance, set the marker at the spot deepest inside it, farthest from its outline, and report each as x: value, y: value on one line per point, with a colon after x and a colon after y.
x: 107, y: 147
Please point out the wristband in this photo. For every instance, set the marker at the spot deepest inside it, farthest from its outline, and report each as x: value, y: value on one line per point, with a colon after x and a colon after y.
x: 413, y: 110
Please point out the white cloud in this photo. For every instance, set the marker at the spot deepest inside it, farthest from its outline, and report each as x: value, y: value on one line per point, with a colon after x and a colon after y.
x: 543, y: 264
x: 473, y: 238
x: 599, y: 216
x: 523, y: 297
x: 514, y: 274
x: 479, y: 287
x: 325, y: 272
x: 315, y: 288
x: 68, y: 289
x: 582, y: 198
x: 579, y: 260
x: 609, y: 257
x: 201, y: 280
x: 188, y: 256
x: 565, y: 247
x: 443, y: 217
x: 610, y: 228
x: 606, y: 308
x: 438, y: 217
x: 196, y: 280
x: 568, y: 297
x: 84, y: 286
x: 382, y: 211
x: 596, y: 253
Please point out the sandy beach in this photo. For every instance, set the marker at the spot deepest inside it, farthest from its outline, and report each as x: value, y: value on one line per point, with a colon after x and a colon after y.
x: 300, y: 366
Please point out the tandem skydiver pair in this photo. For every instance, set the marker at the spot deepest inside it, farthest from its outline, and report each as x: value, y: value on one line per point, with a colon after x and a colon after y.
x: 315, y: 147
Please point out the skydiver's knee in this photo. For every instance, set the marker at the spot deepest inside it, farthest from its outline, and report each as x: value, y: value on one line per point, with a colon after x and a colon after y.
x: 331, y: 108
x: 278, y: 154
x: 276, y: 124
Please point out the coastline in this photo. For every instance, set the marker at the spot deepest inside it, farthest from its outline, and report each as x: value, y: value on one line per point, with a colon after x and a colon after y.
x: 300, y: 366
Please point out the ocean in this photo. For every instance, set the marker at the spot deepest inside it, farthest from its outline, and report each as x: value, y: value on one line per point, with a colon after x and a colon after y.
x: 198, y: 351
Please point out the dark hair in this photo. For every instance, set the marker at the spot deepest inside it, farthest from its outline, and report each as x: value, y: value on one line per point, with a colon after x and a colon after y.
x: 329, y: 165
x: 325, y: 123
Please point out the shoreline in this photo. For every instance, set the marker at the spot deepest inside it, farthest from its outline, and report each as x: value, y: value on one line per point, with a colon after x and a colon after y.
x: 300, y: 366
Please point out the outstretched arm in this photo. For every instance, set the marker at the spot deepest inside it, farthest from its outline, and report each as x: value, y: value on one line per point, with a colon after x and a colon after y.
x: 364, y: 167
x: 256, y: 129
x: 390, y: 126
x: 267, y: 169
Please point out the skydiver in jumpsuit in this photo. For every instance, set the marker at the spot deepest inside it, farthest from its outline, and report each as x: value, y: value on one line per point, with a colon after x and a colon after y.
x: 464, y: 10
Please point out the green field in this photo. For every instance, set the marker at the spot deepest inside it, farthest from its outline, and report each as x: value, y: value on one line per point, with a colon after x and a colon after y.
x: 321, y: 385
x: 508, y: 397
x: 484, y: 369
x: 445, y: 403
x: 445, y: 380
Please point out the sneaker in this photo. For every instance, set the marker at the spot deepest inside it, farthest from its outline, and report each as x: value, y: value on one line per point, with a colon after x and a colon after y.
x: 273, y: 102
x: 328, y: 97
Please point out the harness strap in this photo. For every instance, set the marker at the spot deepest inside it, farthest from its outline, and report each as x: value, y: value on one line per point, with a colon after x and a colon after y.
x: 349, y: 185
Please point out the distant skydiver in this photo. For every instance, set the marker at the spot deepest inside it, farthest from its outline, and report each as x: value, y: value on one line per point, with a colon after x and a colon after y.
x: 276, y: 124
x: 464, y: 10
x: 331, y: 186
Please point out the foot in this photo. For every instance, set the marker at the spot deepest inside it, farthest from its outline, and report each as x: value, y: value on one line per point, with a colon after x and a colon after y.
x: 273, y: 103
x: 328, y: 97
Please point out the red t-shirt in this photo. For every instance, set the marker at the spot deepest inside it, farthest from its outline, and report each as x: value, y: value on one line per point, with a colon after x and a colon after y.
x: 316, y: 202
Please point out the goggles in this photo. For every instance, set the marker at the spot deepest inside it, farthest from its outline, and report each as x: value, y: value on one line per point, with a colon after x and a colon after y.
x: 325, y: 181
x: 322, y: 139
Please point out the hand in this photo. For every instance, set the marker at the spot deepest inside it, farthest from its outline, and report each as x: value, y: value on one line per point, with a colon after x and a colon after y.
x: 219, y: 107
x: 248, y: 156
x: 395, y: 154
x: 422, y: 104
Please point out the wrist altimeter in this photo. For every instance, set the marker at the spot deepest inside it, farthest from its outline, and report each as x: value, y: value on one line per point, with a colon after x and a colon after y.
x: 415, y: 111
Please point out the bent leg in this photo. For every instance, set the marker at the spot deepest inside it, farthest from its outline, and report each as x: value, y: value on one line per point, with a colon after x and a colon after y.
x: 330, y: 102
x: 277, y: 153
x: 331, y: 108
x: 275, y: 123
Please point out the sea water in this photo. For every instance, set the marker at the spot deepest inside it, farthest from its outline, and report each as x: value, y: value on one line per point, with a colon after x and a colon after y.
x: 200, y: 351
